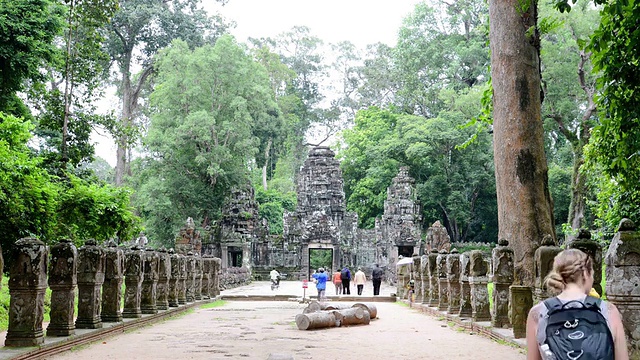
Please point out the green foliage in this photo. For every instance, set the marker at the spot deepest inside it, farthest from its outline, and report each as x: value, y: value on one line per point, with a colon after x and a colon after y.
x: 454, y: 186
x: 560, y: 188
x: 208, y: 107
x: 93, y: 210
x: 4, y: 304
x: 28, y: 194
x: 213, y: 304
x: 271, y: 206
x: 615, y: 146
x: 321, y: 258
x: 28, y: 28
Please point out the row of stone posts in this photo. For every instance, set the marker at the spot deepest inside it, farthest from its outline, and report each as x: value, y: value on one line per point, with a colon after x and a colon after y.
x: 457, y: 283
x: 154, y: 280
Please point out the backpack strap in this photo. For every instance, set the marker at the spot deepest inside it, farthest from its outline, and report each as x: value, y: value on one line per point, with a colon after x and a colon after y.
x: 592, y: 302
x: 553, y: 304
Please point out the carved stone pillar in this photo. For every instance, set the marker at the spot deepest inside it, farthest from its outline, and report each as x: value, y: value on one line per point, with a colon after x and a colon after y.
x: 63, y: 281
x: 441, y: 263
x: 502, y: 277
x: 91, y: 260
x: 182, y: 281
x: 112, y: 287
x: 520, y: 303
x: 453, y: 280
x: 590, y: 247
x: 150, y: 282
x: 417, y: 279
x: 27, y: 286
x: 479, y: 293
x: 134, y: 275
x: 191, y: 277
x: 543, y: 264
x: 424, y: 274
x: 206, y: 276
x: 164, y: 274
x: 466, y: 310
x: 174, y: 279
x: 217, y: 266
x: 623, y: 276
x: 197, y: 282
x: 434, y: 282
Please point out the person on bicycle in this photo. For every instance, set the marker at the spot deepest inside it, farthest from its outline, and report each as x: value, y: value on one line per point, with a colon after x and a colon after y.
x: 275, y: 277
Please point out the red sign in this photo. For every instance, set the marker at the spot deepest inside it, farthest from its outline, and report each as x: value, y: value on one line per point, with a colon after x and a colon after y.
x: 305, y: 284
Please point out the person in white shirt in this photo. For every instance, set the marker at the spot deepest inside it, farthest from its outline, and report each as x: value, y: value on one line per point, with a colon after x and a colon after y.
x: 275, y: 277
x: 360, y: 279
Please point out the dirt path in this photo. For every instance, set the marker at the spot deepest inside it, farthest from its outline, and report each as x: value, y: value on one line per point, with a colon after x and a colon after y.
x: 255, y: 330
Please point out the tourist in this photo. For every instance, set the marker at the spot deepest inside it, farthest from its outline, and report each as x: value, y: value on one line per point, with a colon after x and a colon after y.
x: 337, y: 282
x: 360, y: 279
x: 572, y: 279
x: 376, y: 275
x: 321, y: 283
x: 345, y: 276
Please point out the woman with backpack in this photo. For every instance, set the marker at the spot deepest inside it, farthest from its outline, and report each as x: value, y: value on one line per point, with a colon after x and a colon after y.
x: 573, y: 325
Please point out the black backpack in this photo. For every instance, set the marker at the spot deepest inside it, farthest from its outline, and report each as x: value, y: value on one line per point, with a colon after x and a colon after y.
x: 344, y: 275
x: 582, y: 332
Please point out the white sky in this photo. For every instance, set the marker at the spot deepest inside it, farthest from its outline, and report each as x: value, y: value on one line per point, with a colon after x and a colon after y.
x: 361, y: 22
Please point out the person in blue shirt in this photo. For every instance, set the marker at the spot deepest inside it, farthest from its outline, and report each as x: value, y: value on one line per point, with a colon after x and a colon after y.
x: 321, y: 283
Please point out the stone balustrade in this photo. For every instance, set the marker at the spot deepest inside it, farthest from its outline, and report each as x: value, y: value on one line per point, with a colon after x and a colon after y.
x: 151, y: 284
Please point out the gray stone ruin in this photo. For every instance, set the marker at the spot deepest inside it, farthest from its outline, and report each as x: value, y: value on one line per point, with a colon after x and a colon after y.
x: 191, y: 277
x: 417, y: 279
x: 164, y: 274
x: 134, y: 275
x: 174, y: 280
x: 112, y: 287
x: 466, y: 310
x: 434, y: 280
x: 150, y: 282
x: 479, y: 293
x: 590, y: 247
x: 182, y: 281
x: 623, y: 278
x: 197, y: 284
x: 543, y: 264
x: 520, y: 302
x: 91, y: 265
x: 443, y: 285
x: 27, y: 287
x: 98, y: 273
x: 453, y: 280
x: 438, y: 238
x: 502, y: 277
x: 426, y: 280
x: 63, y: 280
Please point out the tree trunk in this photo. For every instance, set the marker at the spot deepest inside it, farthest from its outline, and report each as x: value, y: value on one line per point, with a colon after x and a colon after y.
x: 122, y: 139
x: 368, y: 307
x: 352, y: 316
x: 578, y: 201
x: 316, y: 320
x: 525, y: 210
x: 266, y: 163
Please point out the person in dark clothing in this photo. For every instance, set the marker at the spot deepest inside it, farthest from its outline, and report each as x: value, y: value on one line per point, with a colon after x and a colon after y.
x: 377, y: 279
x: 345, y: 276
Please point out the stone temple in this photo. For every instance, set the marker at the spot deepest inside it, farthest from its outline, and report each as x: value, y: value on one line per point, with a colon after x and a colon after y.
x: 320, y: 222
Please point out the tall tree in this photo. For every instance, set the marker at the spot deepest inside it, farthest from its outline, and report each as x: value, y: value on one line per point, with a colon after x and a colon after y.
x: 525, y: 214
x: 67, y: 111
x: 207, y: 106
x: 569, y: 106
x: 137, y: 31
x: 27, y: 31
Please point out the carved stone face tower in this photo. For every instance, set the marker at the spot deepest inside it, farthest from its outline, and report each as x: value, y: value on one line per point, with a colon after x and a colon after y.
x: 320, y: 220
x: 399, y: 229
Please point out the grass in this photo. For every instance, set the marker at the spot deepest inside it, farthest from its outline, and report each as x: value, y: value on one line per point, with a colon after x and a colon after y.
x: 213, y: 304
